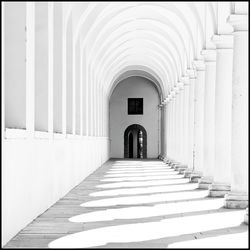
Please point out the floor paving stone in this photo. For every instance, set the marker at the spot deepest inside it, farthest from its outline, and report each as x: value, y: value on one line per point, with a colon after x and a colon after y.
x: 53, y: 228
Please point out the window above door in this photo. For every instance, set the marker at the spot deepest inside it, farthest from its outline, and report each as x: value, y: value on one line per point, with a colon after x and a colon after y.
x: 135, y: 106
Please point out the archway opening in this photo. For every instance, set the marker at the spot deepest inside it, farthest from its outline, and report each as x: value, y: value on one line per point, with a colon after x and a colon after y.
x: 135, y: 100
x: 130, y: 147
x: 135, y: 142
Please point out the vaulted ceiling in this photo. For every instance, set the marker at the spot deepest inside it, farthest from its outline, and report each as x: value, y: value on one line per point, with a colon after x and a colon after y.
x: 157, y: 39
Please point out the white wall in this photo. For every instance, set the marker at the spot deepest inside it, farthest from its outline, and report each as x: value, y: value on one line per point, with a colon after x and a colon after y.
x: 134, y: 87
x: 38, y: 172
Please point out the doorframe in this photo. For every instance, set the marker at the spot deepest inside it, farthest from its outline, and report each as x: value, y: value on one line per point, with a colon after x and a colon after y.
x: 126, y: 139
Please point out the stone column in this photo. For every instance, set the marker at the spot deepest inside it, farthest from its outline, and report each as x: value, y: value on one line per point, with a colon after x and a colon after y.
x: 171, y: 127
x: 176, y: 123
x: 164, y: 110
x: 170, y: 130
x: 161, y: 133
x: 246, y: 216
x: 238, y: 197
x: 185, y: 119
x: 167, y: 135
x: 180, y: 123
x: 192, y: 80
x: 199, y: 121
x: 223, y: 110
x: 173, y: 110
x: 180, y: 164
x: 209, y: 112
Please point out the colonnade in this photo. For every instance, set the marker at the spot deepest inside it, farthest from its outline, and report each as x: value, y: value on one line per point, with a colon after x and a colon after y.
x: 207, y: 118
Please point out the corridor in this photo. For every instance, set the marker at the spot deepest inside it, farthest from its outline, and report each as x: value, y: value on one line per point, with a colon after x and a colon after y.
x: 125, y: 124
x: 136, y: 204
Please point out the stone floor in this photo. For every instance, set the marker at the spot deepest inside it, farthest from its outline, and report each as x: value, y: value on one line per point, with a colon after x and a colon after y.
x: 137, y: 204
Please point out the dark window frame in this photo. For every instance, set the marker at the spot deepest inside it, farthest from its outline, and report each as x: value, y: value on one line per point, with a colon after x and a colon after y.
x: 135, y: 106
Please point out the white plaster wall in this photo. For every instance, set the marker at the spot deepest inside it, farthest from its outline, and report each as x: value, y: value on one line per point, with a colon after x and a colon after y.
x: 38, y: 172
x: 134, y: 87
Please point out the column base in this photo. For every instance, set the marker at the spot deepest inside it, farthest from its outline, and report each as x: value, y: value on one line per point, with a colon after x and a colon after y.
x: 218, y: 189
x: 161, y: 157
x: 181, y: 168
x: 204, y: 182
x: 174, y: 163
x: 169, y: 162
x: 195, y: 177
x: 246, y: 217
x: 187, y: 173
x: 236, y: 200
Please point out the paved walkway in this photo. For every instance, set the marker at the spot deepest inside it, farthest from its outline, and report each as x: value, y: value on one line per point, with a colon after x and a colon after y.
x: 137, y: 204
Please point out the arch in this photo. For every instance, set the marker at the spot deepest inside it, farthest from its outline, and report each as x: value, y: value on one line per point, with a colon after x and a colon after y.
x: 135, y: 71
x: 172, y: 9
x: 126, y: 139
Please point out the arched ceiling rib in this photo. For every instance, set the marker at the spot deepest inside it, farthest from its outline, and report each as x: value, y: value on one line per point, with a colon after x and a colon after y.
x: 165, y: 56
x: 125, y: 63
x: 131, y: 57
x: 155, y: 31
x: 136, y: 70
x: 115, y: 35
x: 165, y: 41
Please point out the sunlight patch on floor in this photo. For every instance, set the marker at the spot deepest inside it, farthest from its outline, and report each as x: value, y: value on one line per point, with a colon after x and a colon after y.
x: 118, y: 171
x: 143, y: 183
x: 142, y: 199
x: 141, y: 174
x: 146, y: 212
x: 145, y: 190
x: 161, y: 177
x: 138, y: 232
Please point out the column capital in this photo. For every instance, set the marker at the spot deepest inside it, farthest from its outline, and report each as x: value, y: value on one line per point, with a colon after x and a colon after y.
x: 185, y: 80
x: 223, y: 41
x: 199, y: 65
x: 171, y: 95
x: 239, y: 22
x: 191, y: 73
x: 180, y: 85
x: 167, y: 100
x: 209, y: 55
x: 177, y: 89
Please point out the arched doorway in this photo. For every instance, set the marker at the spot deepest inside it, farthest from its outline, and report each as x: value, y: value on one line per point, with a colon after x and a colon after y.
x: 135, y: 142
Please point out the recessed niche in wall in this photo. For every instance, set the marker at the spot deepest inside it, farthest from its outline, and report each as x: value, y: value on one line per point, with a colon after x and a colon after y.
x: 57, y: 92
x: 41, y: 66
x: 69, y: 77
x: 77, y: 90
x: 15, y: 65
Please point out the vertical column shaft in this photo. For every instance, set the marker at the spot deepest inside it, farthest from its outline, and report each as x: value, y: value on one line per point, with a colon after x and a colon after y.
x: 209, y: 113
x: 192, y: 80
x: 185, y: 123
x: 238, y: 197
x: 223, y: 109
x: 199, y: 121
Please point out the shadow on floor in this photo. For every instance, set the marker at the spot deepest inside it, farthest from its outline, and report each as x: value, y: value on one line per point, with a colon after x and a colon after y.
x: 135, y: 209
